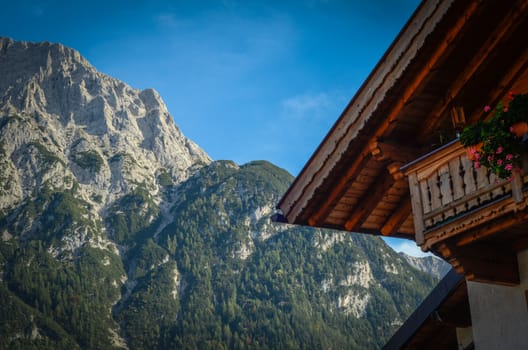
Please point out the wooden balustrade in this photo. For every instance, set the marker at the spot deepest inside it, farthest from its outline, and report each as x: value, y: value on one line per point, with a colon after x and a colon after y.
x: 446, y: 187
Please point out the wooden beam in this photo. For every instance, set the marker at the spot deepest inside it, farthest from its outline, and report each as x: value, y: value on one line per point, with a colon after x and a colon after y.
x: 480, y: 262
x: 315, y: 220
x: 361, y: 108
x: 492, y: 228
x: 471, y: 68
x: 337, y: 191
x: 398, y: 217
x: 417, y: 208
x: 504, y: 85
x: 428, y: 66
x: 485, y: 221
x: 376, y: 191
x: 483, y: 270
x: 382, y: 151
x: 395, y: 170
x: 458, y: 118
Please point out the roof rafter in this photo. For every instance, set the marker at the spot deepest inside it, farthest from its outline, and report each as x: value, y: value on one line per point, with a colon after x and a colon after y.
x: 398, y: 217
x: 352, y: 121
x: 471, y: 68
x: 440, y: 50
x: 506, y: 83
x: 377, y: 190
x: 391, y: 152
x: 340, y: 188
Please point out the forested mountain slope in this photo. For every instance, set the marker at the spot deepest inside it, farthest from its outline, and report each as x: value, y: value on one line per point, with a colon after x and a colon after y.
x: 119, y: 232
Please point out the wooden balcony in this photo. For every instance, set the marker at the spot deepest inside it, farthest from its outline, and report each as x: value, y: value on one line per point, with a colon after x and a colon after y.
x: 471, y: 218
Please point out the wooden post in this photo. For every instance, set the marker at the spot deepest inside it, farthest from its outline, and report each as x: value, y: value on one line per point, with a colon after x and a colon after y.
x: 516, y: 186
x: 417, y: 208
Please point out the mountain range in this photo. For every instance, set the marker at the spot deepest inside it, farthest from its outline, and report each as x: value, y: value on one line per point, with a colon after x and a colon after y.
x: 119, y: 232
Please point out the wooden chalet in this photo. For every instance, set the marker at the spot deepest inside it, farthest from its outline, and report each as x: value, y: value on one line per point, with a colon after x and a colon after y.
x: 386, y: 166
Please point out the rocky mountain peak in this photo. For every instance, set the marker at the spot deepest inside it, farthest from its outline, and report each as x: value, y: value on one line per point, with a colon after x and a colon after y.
x: 60, y: 89
x: 431, y: 265
x: 63, y: 122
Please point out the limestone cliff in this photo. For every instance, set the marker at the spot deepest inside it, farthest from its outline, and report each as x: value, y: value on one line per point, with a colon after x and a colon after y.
x: 116, y: 231
x: 63, y: 123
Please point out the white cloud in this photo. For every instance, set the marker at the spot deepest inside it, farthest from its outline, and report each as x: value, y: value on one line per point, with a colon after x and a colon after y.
x: 166, y: 19
x: 310, y: 105
x: 302, y: 104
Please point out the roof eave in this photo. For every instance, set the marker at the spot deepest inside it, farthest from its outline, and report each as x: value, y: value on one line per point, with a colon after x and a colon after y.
x: 352, y: 122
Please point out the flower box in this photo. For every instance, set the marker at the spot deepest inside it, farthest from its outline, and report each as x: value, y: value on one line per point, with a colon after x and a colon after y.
x: 500, y: 138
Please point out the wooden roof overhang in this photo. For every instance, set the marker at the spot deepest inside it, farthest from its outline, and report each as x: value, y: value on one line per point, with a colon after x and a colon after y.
x: 452, y: 55
x: 433, y: 324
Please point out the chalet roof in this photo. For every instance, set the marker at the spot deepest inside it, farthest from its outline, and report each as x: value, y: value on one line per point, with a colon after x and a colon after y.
x: 433, y: 324
x: 452, y: 55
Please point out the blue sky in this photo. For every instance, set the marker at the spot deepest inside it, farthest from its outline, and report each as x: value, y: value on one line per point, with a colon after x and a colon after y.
x: 246, y: 80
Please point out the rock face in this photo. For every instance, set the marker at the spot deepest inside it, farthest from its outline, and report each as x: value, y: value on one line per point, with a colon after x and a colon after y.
x: 67, y: 121
x: 430, y: 265
x: 116, y: 231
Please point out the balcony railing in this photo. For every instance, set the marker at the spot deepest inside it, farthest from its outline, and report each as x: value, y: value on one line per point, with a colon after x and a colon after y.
x: 450, y: 196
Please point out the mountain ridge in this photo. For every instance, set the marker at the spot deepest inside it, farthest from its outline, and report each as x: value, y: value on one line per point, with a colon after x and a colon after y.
x: 119, y: 232
x: 431, y: 265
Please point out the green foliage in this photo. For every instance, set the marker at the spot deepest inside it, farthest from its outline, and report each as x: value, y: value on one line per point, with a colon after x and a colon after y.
x: 147, y: 255
x: 23, y: 327
x: 133, y: 216
x: 501, y: 151
x: 165, y: 179
x: 517, y: 110
x: 46, y: 156
x: 89, y: 160
x: 52, y: 215
x: 206, y: 279
x: 63, y: 214
x: 274, y: 298
x: 473, y: 134
x: 152, y: 309
x: 501, y: 148
x: 124, y: 158
x: 76, y: 296
x: 7, y: 249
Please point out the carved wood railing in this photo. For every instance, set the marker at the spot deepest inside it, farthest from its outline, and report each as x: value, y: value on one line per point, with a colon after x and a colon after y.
x: 445, y: 187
